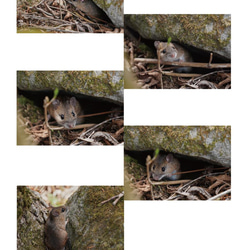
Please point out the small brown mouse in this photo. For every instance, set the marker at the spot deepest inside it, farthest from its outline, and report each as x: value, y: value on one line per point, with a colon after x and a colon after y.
x: 56, y: 236
x: 90, y: 8
x: 66, y: 111
x: 172, y: 52
x: 165, y: 167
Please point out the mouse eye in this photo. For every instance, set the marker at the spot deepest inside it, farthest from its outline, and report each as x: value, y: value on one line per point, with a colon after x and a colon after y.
x: 62, y: 116
x: 164, y: 51
x: 73, y: 114
x: 154, y: 167
x: 63, y: 209
x: 163, y: 169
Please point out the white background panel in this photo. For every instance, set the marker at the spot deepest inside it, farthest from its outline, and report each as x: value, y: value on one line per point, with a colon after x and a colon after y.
x: 148, y: 225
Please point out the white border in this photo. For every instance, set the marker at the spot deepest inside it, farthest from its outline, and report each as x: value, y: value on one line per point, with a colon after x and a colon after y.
x: 148, y: 225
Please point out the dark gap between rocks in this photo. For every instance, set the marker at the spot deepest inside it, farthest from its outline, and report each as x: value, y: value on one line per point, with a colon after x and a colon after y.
x: 89, y: 104
x: 198, y: 55
x: 187, y: 163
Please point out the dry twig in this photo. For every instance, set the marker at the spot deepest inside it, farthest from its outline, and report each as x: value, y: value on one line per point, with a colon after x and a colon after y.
x: 116, y: 197
x: 46, y: 16
x: 166, y: 78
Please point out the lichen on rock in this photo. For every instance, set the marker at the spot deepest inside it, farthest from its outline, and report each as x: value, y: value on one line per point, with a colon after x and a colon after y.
x: 103, y: 84
x: 113, y: 9
x: 207, y: 32
x: 210, y: 143
x: 94, y: 225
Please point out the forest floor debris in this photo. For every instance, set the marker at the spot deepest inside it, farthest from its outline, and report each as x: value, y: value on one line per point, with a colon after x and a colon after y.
x: 150, y: 75
x: 49, y: 16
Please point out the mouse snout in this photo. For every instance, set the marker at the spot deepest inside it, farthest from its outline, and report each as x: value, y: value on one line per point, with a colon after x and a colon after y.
x: 156, y: 177
x: 69, y: 124
x: 173, y: 55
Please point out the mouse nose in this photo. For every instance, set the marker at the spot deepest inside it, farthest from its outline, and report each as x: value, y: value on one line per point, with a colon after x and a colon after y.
x: 68, y: 125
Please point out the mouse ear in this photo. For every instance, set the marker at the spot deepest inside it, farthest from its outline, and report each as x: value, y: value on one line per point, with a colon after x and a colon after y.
x: 169, y: 157
x: 156, y: 44
x: 56, y: 103
x: 50, y: 208
x: 55, y: 212
x: 73, y: 101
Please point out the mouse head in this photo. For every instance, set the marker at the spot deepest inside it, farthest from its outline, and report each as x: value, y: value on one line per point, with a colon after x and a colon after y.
x: 167, y: 51
x: 165, y: 167
x: 58, y: 212
x: 65, y: 112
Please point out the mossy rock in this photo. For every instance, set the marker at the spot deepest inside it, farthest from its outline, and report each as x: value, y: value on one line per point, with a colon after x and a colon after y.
x: 113, y: 9
x: 31, y: 216
x: 210, y: 143
x: 107, y: 85
x: 207, y: 32
x: 93, y: 225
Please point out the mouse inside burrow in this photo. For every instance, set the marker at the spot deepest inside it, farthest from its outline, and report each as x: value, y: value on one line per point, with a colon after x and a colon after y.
x: 182, y: 163
x: 69, y: 106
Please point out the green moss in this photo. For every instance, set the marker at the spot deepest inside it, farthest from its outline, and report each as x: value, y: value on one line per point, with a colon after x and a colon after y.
x: 28, y: 110
x: 175, y: 138
x: 24, y: 29
x: 196, y: 29
x: 24, y: 200
x: 146, y: 50
x: 30, y: 224
x: 105, y: 221
x: 99, y: 84
x: 193, y: 27
x: 105, y: 5
x: 131, y: 166
x: 107, y: 227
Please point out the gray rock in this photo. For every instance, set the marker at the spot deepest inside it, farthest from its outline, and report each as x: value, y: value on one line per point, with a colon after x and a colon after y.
x: 31, y: 216
x: 207, y: 32
x: 92, y: 225
x: 113, y: 9
x: 210, y: 143
x: 102, y: 84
